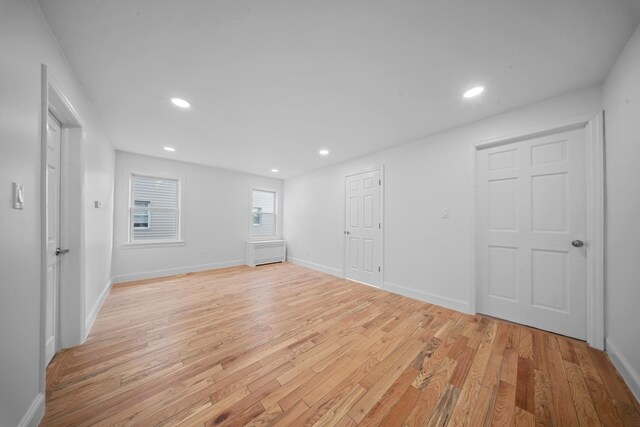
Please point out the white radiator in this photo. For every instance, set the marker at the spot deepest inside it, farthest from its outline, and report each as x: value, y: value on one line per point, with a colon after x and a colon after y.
x: 266, y: 252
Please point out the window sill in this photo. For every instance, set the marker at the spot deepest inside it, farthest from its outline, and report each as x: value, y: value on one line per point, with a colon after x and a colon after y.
x: 145, y: 245
x: 264, y: 238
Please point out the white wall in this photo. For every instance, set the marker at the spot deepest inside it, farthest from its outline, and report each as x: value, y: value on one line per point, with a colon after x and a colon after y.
x: 424, y: 256
x: 99, y: 164
x: 25, y: 43
x: 216, y: 218
x: 622, y: 250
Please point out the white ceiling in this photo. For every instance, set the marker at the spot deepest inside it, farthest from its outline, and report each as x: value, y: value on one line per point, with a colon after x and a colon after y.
x: 273, y: 81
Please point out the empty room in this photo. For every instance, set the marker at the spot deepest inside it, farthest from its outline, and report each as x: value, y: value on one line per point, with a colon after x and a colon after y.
x: 319, y: 213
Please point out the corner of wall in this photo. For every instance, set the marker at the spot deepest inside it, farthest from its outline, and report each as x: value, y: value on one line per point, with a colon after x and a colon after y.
x: 35, y: 413
x: 629, y: 374
x: 93, y: 314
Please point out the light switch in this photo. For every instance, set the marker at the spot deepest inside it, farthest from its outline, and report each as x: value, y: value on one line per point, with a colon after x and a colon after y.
x: 97, y: 204
x: 18, y: 196
x: 445, y: 213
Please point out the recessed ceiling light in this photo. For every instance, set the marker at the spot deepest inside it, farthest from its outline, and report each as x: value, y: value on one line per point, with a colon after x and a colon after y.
x: 474, y: 91
x: 323, y: 152
x: 181, y: 102
x: 275, y: 170
x: 169, y: 149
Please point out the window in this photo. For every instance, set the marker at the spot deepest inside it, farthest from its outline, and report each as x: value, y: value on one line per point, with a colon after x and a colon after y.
x: 263, y: 213
x: 154, y: 209
x: 141, y: 219
x: 257, y: 216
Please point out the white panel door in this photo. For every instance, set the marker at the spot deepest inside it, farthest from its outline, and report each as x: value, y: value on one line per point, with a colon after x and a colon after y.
x: 363, y: 229
x: 531, y: 213
x: 53, y: 235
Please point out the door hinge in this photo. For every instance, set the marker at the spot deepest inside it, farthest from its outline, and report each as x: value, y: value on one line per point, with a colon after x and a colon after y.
x: 379, y: 269
x: 379, y: 225
x: 379, y: 182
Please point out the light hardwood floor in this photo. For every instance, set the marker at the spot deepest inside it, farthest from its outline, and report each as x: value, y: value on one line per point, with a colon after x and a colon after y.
x: 284, y: 345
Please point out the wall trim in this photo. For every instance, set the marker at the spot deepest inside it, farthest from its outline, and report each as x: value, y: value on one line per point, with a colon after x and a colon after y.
x: 628, y: 373
x: 428, y: 297
x: 91, y: 318
x: 447, y: 302
x: 318, y: 267
x: 34, y: 414
x: 363, y: 283
x: 179, y: 270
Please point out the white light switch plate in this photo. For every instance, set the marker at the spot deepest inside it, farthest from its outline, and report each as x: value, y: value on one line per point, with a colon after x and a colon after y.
x: 18, y: 196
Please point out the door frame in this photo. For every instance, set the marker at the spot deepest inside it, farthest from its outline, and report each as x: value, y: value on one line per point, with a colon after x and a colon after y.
x: 593, y: 125
x: 380, y: 169
x: 70, y: 302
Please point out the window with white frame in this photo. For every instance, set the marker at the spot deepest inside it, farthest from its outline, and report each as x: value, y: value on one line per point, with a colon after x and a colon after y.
x: 154, y: 209
x: 263, y: 213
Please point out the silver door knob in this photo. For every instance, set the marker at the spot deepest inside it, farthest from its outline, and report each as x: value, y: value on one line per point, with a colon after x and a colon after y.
x: 347, y: 232
x: 577, y: 243
x: 61, y: 251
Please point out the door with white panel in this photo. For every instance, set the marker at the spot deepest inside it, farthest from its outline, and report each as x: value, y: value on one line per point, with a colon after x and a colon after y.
x: 531, y: 227
x: 53, y: 236
x: 363, y: 228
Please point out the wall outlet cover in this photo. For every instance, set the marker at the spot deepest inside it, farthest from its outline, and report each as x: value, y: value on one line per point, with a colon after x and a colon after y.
x: 18, y: 196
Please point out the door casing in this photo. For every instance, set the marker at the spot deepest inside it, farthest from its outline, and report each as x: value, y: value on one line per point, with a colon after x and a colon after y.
x: 53, y: 121
x: 594, y: 145
x: 71, y: 304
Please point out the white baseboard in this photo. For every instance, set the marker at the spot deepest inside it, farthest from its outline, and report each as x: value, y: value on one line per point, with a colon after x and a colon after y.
x: 318, y: 267
x: 34, y: 414
x: 447, y: 302
x: 173, y: 271
x: 363, y: 283
x: 88, y: 324
x: 629, y: 374
x: 452, y: 303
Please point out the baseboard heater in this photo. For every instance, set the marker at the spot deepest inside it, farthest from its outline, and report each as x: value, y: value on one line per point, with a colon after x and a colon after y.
x: 266, y: 252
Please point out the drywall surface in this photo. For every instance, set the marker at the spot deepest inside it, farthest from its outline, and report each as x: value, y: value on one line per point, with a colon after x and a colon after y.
x: 216, y: 218
x: 99, y: 169
x: 25, y: 44
x: 622, y: 252
x: 425, y: 255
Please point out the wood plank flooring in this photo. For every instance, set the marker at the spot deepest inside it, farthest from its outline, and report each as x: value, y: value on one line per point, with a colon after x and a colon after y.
x: 283, y: 345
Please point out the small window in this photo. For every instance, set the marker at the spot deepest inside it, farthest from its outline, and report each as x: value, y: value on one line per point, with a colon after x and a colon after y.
x: 263, y: 213
x: 154, y: 212
x: 257, y: 217
x: 142, y: 219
